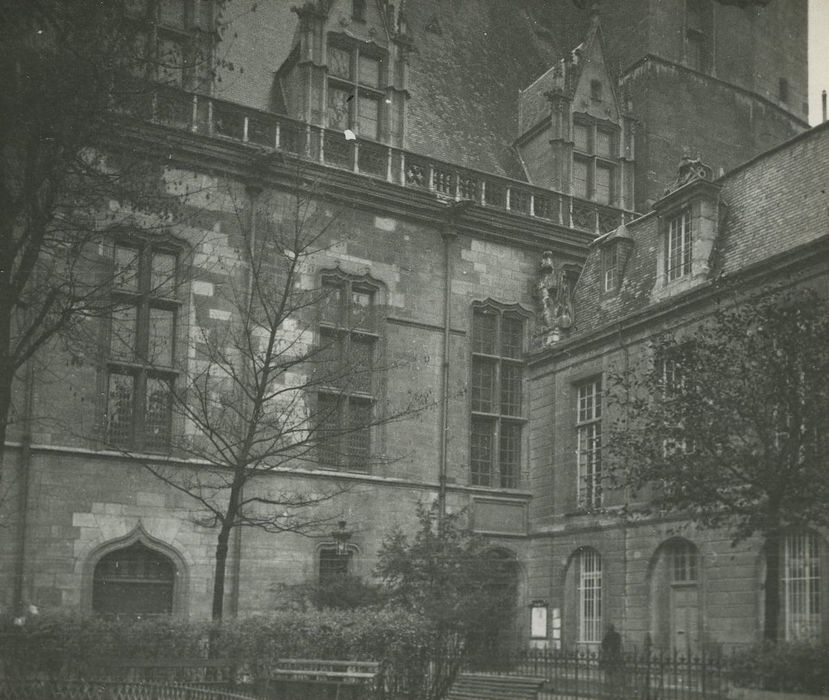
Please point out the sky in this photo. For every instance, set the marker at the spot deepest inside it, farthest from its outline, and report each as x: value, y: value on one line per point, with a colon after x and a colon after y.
x: 818, y: 55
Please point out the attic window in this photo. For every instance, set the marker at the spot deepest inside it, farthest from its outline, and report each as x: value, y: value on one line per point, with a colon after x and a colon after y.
x: 358, y: 10
x: 596, y: 90
x: 610, y: 267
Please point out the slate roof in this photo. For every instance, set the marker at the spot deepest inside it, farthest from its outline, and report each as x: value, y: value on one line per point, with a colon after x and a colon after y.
x: 775, y: 203
x: 465, y: 76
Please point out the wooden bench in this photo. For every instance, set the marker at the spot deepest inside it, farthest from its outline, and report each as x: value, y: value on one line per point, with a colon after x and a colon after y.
x: 327, y: 679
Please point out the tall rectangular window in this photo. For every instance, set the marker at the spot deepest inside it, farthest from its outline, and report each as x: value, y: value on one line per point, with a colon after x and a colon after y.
x: 801, y: 586
x: 594, y: 162
x: 355, y: 90
x: 590, y: 596
x: 174, y: 44
x: 496, y: 398
x: 142, y: 331
x: 679, y: 246
x: 589, y: 443
x: 345, y: 374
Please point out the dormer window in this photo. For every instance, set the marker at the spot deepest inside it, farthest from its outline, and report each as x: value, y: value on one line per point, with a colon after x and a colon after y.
x: 679, y: 245
x: 610, y: 267
x: 355, y: 79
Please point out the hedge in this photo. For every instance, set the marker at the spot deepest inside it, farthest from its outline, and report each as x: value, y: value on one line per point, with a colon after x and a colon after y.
x: 794, y: 667
x: 71, y: 645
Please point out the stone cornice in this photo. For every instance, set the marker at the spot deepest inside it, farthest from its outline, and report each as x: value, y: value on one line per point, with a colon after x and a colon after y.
x: 259, y: 167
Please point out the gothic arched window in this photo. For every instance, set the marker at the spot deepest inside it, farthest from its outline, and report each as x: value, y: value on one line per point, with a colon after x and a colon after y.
x: 133, y: 581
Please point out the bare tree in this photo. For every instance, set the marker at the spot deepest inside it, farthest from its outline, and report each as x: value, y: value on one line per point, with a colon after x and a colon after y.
x: 728, y: 424
x: 266, y: 392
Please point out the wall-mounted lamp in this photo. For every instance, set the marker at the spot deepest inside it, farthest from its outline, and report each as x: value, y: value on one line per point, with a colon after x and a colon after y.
x: 341, y: 537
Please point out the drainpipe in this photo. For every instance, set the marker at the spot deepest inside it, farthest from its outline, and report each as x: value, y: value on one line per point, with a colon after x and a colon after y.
x: 449, y: 233
x: 23, y: 480
x: 823, y: 103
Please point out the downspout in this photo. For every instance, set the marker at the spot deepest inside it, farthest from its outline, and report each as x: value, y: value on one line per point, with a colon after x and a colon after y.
x: 23, y: 480
x: 449, y: 233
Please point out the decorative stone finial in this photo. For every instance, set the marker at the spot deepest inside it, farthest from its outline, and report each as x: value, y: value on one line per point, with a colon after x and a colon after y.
x: 690, y: 169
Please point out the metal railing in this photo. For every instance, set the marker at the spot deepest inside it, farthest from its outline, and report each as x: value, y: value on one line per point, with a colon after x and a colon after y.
x: 635, y: 675
x: 111, y: 690
x: 218, y: 118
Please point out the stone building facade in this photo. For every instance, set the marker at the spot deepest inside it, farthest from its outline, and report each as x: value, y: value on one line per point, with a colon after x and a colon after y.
x: 468, y: 163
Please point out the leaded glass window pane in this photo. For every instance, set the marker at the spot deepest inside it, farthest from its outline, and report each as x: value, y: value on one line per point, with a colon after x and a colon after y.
x: 511, y: 376
x: 512, y: 337
x: 120, y: 400
x: 580, y: 178
x: 126, y: 268
x: 484, y: 332
x: 604, y: 144
x: 160, y: 337
x: 483, y: 385
x: 339, y: 62
x: 338, y: 108
x: 369, y: 117
x: 157, y: 412
x: 163, y: 274
x: 359, y: 434
x: 360, y: 363
x: 510, y: 454
x: 581, y: 137
x: 369, y: 71
x: 123, y: 330
x: 481, y: 452
x: 603, y: 184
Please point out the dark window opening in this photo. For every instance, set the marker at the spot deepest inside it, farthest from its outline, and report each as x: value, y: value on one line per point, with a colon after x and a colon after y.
x: 135, y: 581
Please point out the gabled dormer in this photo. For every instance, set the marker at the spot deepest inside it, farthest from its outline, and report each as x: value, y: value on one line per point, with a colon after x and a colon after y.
x: 688, y: 216
x: 348, y: 69
x: 576, y: 135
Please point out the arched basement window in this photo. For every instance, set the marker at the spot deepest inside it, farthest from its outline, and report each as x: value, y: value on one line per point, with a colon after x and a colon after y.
x: 133, y: 581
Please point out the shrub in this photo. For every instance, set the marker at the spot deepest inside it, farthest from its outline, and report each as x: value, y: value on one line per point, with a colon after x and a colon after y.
x: 797, y: 667
x: 61, y: 645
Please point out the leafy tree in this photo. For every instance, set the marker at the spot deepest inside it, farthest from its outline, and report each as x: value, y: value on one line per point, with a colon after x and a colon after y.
x: 451, y: 578
x: 727, y: 424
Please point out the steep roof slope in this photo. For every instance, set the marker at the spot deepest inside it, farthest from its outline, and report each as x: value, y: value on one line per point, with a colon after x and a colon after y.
x: 772, y: 204
x: 471, y: 58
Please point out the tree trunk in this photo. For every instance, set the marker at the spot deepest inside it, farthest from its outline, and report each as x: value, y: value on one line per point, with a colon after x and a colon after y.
x: 772, y: 587
x: 221, y: 566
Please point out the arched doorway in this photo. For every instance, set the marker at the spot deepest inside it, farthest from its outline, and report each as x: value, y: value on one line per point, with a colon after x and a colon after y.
x: 133, y: 581
x: 675, y: 593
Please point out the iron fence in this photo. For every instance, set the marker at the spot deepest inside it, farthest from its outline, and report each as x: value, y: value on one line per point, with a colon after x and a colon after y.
x: 50, y: 689
x: 631, y: 676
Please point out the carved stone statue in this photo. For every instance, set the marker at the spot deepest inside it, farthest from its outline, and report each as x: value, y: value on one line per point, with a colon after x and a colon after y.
x: 554, y: 293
